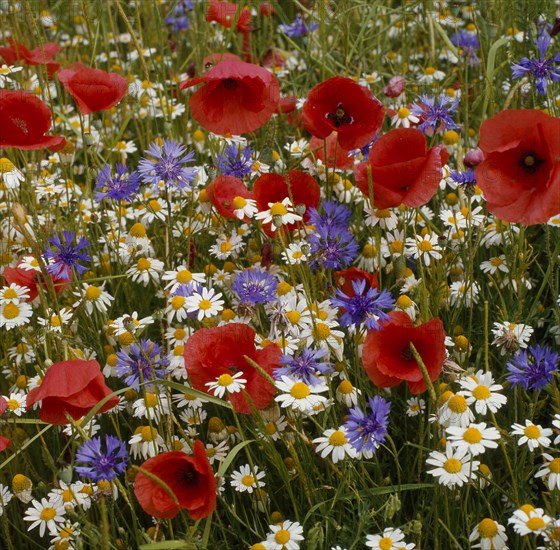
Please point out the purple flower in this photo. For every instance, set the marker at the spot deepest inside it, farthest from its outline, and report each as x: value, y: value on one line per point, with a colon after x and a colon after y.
x: 332, y: 247
x: 364, y: 307
x: 533, y: 369
x: 102, y: 465
x: 540, y: 69
x: 178, y: 20
x: 366, y: 433
x: 235, y: 161
x: 463, y: 178
x: 468, y: 42
x: 167, y: 165
x: 336, y: 215
x: 298, y: 28
x: 255, y: 287
x: 304, y: 366
x: 123, y: 186
x: 140, y: 363
x: 66, y: 258
x: 436, y: 112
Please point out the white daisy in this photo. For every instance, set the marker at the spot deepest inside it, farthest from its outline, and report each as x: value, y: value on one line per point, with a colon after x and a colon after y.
x: 246, y: 479
x: 532, y: 434
x: 5, y: 497
x: 44, y: 514
x: 145, y: 442
x: 145, y: 270
x: 16, y: 403
x: 54, y: 321
x: 528, y: 519
x: 14, y: 315
x: 243, y: 207
x: 227, y: 383
x: 13, y: 294
x: 492, y: 535
x: 495, y: 264
x: 452, y: 468
x: 455, y: 412
x: 295, y: 253
x: 10, y: 175
x: 347, y: 393
x: 475, y: 438
x: 181, y: 275
x: 480, y: 389
x: 550, y: 469
x: 511, y: 336
x: 279, y: 214
x: 284, y: 536
x: 403, y: 117
x: 424, y: 247
x: 391, y: 539
x: 93, y: 297
x: 69, y: 496
x: 334, y: 443
x: 206, y: 304
x: 299, y: 395
x: 152, y: 406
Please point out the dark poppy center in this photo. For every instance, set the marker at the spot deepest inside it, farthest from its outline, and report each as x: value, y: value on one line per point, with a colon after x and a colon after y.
x: 406, y: 354
x: 530, y: 162
x: 230, y: 84
x: 339, y: 117
x: 188, y: 475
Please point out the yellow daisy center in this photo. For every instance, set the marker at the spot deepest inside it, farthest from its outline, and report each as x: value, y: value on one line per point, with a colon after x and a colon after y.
x: 13, y: 404
x: 225, y: 380
x: 184, y: 276
x: 293, y: 317
x: 554, y: 466
x: 177, y: 302
x: 278, y: 209
x: 93, y: 293
x: 137, y: 230
x: 457, y: 404
x: 386, y: 543
x: 205, y: 304
x: 472, y: 435
x: 143, y: 264
x: 47, y: 513
x: 150, y: 400
x: 481, y: 393
x: 487, y: 528
x: 10, y: 294
x: 532, y: 432
x: 425, y: 246
x: 321, y: 331
x: 403, y: 112
x: 11, y: 311
x: 239, y: 203
x: 67, y: 495
x: 345, y: 387
x: 535, y: 523
x: 404, y: 301
x: 154, y: 205
x: 270, y: 428
x: 248, y: 480
x: 282, y: 536
x: 337, y: 439
x: 300, y: 390
x: 148, y: 433
x: 452, y: 465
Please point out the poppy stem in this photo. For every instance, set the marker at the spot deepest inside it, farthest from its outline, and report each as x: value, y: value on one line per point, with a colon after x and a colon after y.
x: 424, y: 371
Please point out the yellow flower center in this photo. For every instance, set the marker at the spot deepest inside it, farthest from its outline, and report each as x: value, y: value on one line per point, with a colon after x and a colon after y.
x: 55, y: 321
x: 368, y: 251
x: 535, y: 523
x: 47, y: 513
x: 177, y: 302
x: 21, y: 483
x: 210, y: 452
x: 457, y: 404
x: 397, y: 246
x: 278, y: 209
x: 282, y: 536
x: 179, y: 333
x: 425, y: 246
x: 248, y: 480
x: 386, y: 543
x: 300, y: 390
x: 154, y: 205
x: 10, y: 294
x: 554, y: 466
x: 205, y: 304
x: 239, y: 203
x: 178, y: 351
x: 404, y: 301
x: 13, y: 404
x: 225, y: 247
x: 472, y: 435
x: 293, y: 317
x: 527, y: 508
x: 337, y: 439
x: 143, y: 264
x: 126, y: 338
x: 225, y: 380
x: 481, y: 393
x: 137, y: 230
x: 452, y: 465
x: 148, y: 433
x: 403, y: 112
x: 321, y: 331
x: 429, y: 70
x: 532, y: 432
x: 487, y: 528
x: 93, y: 293
x: 297, y: 254
x: 270, y: 428
x: 11, y: 311
x: 184, y: 276
x: 6, y: 165
x: 150, y: 400
x: 67, y: 495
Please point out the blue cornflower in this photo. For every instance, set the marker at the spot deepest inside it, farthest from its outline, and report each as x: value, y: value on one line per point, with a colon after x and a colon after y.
x: 167, y: 165
x: 466, y: 178
x: 304, y: 366
x: 102, y: 465
x: 332, y: 248
x: 67, y: 256
x: 533, y: 369
x: 178, y: 19
x: 541, y: 69
x: 123, y: 186
x: 298, y: 28
x: 255, y: 287
x: 436, y: 112
x: 366, y: 433
x: 140, y: 363
x: 336, y: 215
x: 235, y: 161
x: 364, y: 307
x: 469, y: 44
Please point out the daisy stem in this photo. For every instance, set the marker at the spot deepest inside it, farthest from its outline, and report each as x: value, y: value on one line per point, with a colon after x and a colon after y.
x: 424, y: 371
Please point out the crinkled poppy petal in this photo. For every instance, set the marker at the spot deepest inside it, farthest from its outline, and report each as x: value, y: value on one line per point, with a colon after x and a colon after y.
x: 383, y: 197
x: 336, y: 155
x: 54, y: 409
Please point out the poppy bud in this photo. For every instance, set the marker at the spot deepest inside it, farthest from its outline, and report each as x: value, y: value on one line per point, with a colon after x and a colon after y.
x: 395, y: 87
x: 473, y: 158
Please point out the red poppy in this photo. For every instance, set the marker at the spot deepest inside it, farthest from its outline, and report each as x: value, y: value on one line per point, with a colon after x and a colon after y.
x: 211, y: 352
x: 93, y: 89
x: 4, y: 443
x: 344, y: 279
x: 223, y: 192
x: 298, y: 186
x: 39, y: 56
x: 520, y: 173
x: 387, y: 356
x: 403, y: 170
x: 337, y: 157
x: 25, y: 120
x: 215, y: 58
x: 287, y: 104
x: 189, y: 478
x: 72, y: 387
x: 225, y: 13
x: 31, y: 278
x: 341, y: 105
x: 266, y: 9
x: 236, y: 98
x: 3, y: 404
